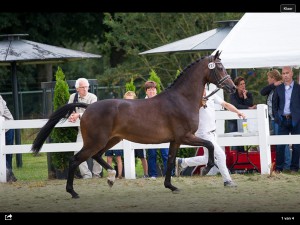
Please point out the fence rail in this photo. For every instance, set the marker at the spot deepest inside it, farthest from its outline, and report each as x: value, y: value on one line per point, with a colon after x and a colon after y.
x: 260, y: 137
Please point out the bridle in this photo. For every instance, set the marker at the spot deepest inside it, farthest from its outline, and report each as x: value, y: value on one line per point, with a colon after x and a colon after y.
x: 220, y: 83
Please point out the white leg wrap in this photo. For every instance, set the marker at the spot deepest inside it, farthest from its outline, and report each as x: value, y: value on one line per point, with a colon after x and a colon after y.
x: 111, y: 175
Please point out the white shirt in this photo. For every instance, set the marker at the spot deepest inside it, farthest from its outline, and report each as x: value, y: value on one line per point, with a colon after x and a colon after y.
x: 88, y: 99
x: 4, y: 111
x: 207, y: 116
x: 288, y: 95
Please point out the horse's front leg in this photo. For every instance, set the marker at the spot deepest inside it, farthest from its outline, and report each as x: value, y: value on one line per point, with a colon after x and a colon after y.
x: 170, y: 166
x: 196, y: 141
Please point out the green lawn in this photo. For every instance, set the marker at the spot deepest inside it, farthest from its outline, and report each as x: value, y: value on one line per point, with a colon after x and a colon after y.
x: 35, y: 168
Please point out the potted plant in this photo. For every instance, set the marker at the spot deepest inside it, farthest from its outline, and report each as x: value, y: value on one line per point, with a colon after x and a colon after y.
x: 60, y: 160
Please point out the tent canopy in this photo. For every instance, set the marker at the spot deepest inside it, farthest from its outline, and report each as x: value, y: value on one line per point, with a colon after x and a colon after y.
x: 20, y: 51
x: 262, y: 40
x: 206, y: 41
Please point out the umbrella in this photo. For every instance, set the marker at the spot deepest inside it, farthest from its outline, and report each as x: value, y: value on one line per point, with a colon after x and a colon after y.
x: 206, y: 41
x: 15, y: 51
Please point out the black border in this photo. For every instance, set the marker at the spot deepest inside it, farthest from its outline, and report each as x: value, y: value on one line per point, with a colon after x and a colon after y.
x: 153, y: 218
x: 148, y: 6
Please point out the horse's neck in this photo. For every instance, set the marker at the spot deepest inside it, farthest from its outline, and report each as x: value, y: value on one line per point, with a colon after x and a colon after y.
x: 191, y: 88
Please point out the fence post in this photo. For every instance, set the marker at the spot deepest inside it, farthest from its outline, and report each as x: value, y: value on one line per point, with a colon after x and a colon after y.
x: 2, y: 154
x: 263, y: 135
x: 129, y: 160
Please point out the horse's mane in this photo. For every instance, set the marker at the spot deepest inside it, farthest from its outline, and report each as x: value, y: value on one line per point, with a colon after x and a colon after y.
x: 183, y: 72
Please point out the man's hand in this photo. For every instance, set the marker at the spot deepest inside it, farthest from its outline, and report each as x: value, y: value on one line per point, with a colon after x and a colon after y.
x: 204, y: 103
x: 73, y: 117
x: 241, y: 115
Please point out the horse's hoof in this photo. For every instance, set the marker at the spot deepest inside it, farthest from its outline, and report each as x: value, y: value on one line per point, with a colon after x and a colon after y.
x: 73, y: 193
x: 205, y: 171
x: 176, y: 191
x: 111, y: 177
x: 110, y: 183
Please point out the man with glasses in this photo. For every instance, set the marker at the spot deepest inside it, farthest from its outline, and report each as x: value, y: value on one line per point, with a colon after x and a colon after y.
x: 82, y: 95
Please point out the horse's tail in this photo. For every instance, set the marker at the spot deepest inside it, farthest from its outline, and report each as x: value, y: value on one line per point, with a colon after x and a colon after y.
x: 62, y: 113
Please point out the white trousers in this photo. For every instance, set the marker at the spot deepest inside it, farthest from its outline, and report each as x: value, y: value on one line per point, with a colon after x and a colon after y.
x: 202, y: 160
x: 83, y: 167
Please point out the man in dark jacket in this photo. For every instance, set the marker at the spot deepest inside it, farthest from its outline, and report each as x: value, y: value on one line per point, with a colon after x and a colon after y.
x: 286, y: 111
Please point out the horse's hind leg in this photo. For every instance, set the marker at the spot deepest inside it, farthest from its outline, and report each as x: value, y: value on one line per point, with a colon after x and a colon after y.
x: 171, y: 163
x: 73, y: 164
x: 111, y: 173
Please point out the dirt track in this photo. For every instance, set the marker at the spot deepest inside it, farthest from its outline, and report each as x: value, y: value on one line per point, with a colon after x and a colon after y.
x: 255, y: 193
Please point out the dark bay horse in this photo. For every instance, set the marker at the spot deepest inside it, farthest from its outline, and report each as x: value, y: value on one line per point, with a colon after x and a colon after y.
x: 171, y: 116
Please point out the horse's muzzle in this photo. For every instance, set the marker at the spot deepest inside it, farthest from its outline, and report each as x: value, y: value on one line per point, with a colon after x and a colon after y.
x: 230, y: 89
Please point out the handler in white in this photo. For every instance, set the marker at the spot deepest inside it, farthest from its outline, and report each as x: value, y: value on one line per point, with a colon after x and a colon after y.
x: 206, y: 130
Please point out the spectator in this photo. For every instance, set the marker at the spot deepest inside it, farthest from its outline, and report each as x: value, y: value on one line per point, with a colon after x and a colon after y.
x: 150, y: 88
x: 275, y: 79
x: 206, y: 130
x: 9, y: 140
x: 286, y: 111
x: 241, y: 99
x: 140, y: 153
x: 82, y: 95
x: 118, y: 154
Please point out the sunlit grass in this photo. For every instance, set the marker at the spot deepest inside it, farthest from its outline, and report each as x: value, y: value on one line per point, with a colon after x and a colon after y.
x: 33, y: 167
x: 36, y: 168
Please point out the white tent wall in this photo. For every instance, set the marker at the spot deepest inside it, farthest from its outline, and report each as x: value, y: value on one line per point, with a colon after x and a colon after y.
x: 263, y: 40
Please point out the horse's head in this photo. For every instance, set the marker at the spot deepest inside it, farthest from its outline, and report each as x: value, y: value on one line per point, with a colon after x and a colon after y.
x: 218, y: 74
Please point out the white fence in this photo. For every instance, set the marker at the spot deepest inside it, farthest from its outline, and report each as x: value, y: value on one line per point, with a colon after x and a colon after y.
x: 261, y: 137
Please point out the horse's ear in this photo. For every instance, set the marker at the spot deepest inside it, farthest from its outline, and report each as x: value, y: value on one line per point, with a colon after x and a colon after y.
x: 217, y: 55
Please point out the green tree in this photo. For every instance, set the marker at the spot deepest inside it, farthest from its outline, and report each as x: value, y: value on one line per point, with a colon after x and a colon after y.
x: 125, y: 39
x: 155, y: 77
x: 130, y: 86
x: 60, y: 160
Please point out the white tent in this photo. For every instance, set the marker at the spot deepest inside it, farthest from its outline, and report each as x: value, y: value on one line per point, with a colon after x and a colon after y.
x: 205, y: 41
x: 208, y: 40
x: 261, y: 40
